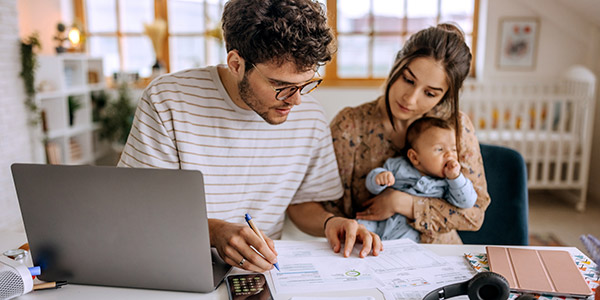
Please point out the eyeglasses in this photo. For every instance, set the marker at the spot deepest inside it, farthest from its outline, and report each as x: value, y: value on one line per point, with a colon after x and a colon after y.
x: 286, y: 92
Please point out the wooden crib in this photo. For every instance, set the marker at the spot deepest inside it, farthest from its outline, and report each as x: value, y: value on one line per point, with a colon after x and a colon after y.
x: 549, y: 123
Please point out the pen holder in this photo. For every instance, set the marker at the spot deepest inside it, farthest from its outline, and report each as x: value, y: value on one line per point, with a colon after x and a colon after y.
x: 15, y: 278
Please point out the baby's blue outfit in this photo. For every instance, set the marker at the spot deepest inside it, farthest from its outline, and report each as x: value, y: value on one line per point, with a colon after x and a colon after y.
x: 458, y: 192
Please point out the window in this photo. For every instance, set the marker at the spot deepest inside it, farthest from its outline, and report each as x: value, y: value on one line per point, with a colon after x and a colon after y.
x: 115, y: 31
x: 369, y: 33
x: 192, y: 40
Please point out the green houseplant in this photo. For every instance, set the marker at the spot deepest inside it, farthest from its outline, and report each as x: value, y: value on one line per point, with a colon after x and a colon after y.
x: 74, y: 105
x: 116, y: 118
x: 28, y: 66
x: 99, y: 100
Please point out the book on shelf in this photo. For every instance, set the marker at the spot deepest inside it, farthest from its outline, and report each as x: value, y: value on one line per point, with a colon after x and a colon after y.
x: 75, y: 150
x: 53, y: 155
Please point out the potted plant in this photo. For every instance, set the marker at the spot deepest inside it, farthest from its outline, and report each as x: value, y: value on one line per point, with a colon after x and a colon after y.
x: 29, y: 65
x: 74, y: 105
x: 117, y: 117
x: 99, y: 100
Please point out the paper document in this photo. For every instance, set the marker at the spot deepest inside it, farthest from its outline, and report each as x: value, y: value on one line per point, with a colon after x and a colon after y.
x: 333, y: 298
x: 313, y: 266
x: 403, y: 270
x: 413, y: 271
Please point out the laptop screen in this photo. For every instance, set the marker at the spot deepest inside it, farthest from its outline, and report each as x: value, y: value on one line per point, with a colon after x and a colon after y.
x: 143, y: 228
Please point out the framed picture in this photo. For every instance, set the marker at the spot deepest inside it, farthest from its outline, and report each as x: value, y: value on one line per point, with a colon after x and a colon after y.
x: 518, y: 43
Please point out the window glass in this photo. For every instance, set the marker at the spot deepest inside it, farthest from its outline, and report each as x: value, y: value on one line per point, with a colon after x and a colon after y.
x: 101, y: 15
x: 216, y: 53
x: 421, y: 14
x: 353, y: 16
x: 384, y: 53
x: 138, y: 55
x: 352, y: 56
x: 108, y: 49
x: 389, y: 15
x: 186, y: 52
x: 460, y: 12
x: 186, y: 16
x: 214, y: 10
x: 370, y: 32
x: 134, y: 13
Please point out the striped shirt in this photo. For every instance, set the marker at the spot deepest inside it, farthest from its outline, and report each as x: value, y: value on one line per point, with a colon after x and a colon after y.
x: 187, y: 120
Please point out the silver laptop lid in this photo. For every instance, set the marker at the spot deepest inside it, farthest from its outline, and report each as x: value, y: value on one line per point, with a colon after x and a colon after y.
x: 141, y: 228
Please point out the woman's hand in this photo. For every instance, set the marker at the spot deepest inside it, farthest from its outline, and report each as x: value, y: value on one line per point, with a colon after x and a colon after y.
x: 386, y: 204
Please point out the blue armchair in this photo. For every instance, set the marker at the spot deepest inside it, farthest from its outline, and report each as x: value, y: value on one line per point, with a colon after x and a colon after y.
x: 505, y: 220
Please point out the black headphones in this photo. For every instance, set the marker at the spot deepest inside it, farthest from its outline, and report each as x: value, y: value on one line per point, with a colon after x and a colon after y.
x: 483, y: 286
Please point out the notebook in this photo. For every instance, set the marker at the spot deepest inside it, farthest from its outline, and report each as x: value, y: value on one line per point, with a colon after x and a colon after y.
x: 550, y: 272
x: 141, y: 228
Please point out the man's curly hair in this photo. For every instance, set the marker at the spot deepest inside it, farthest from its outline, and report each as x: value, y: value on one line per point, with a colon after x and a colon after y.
x: 278, y: 31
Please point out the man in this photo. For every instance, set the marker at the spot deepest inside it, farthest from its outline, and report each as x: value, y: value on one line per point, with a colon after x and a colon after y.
x: 239, y: 124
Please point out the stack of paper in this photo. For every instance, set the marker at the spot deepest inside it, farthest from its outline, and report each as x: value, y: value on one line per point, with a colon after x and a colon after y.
x: 404, y: 270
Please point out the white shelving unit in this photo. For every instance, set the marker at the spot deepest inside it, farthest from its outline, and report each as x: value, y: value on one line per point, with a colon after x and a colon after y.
x: 63, y: 77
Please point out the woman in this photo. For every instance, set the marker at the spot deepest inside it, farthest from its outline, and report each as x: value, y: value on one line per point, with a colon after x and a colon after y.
x: 425, y: 81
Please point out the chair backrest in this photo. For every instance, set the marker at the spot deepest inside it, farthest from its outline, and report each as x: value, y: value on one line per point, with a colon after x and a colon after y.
x: 506, y: 221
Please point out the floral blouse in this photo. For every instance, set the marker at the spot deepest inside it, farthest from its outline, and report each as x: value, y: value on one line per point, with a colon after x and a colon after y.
x: 361, y: 145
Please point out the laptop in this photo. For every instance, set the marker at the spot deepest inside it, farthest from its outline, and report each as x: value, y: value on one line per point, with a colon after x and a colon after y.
x: 138, y: 228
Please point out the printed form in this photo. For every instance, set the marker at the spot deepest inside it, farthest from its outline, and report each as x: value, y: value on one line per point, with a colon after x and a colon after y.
x: 404, y: 270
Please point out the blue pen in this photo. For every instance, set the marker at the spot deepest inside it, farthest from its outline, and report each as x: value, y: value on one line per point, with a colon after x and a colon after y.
x: 253, y: 227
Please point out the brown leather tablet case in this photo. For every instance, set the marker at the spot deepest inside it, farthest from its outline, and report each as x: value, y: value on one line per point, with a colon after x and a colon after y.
x: 539, y: 271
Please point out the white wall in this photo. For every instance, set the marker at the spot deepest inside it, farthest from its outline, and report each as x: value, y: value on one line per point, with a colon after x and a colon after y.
x: 334, y: 99
x: 42, y: 16
x: 563, y: 38
x: 14, y: 132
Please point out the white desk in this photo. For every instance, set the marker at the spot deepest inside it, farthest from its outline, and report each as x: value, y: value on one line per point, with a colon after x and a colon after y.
x: 72, y: 291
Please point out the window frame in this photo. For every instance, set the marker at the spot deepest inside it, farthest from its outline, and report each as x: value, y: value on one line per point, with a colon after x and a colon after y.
x: 159, y: 9
x: 331, y: 77
x: 331, y: 70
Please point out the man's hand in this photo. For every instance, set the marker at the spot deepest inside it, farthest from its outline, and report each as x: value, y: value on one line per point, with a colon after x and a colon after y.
x: 452, y: 169
x: 310, y: 217
x: 233, y: 243
x: 385, y: 178
x: 340, y: 229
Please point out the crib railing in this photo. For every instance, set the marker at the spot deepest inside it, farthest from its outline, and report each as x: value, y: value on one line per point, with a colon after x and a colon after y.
x: 550, y: 124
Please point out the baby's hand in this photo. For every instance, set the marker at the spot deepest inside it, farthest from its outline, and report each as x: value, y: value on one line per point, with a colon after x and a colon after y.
x: 385, y: 178
x: 452, y: 169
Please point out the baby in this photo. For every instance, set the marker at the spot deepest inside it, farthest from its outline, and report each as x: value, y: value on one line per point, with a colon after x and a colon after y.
x: 430, y: 169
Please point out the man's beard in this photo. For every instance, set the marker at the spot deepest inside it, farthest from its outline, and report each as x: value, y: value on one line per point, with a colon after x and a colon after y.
x: 249, y: 97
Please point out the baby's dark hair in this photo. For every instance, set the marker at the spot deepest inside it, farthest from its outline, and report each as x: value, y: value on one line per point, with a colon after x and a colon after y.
x: 416, y: 129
